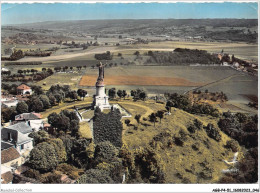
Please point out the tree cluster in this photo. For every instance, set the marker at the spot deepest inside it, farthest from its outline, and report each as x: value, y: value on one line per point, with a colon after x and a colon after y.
x: 184, y: 103
x: 108, y: 127
x: 65, y: 121
x: 138, y: 94
x: 182, y: 56
x: 240, y: 127
x: 104, y: 56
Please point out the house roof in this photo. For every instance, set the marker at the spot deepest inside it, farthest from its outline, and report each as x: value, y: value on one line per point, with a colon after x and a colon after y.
x: 22, y: 139
x: 5, y: 145
x: 9, y: 154
x: 7, y: 177
x: 28, y: 116
x: 23, y: 87
x: 21, y: 127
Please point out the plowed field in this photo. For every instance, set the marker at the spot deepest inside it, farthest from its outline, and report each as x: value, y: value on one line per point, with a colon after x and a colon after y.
x: 90, y: 80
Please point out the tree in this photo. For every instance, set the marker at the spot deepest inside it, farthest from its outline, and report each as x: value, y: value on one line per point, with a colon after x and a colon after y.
x: 74, y: 127
x: 127, y: 122
x: 45, y: 101
x: 39, y: 137
x: 142, y: 95
x: 37, y: 90
x: 120, y: 93
x: 160, y: 115
x: 112, y: 93
x: 73, y: 95
x: 58, y: 97
x: 95, y: 176
x: 8, y: 113
x: 124, y: 94
x: 43, y: 157
x: 22, y: 107
x: 35, y: 104
x: 137, y: 53
x: 169, y: 106
x: 82, y: 93
x: 52, y: 99
x: 59, y: 149
x: 20, y: 72
x: 137, y: 118
x: 153, y: 118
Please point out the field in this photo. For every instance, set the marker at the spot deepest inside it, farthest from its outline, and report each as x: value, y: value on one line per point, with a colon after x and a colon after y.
x: 240, y: 50
x: 138, y: 80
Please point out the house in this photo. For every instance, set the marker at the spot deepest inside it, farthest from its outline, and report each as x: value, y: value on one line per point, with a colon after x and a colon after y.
x: 11, y: 158
x: 24, y: 89
x: 9, y: 103
x: 36, y: 125
x: 17, y: 135
x: 28, y: 116
x: 32, y: 119
x: 6, y: 175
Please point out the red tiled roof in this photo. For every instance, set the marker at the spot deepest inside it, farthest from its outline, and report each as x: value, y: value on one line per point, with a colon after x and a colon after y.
x: 9, y: 154
x: 7, y: 177
x: 23, y: 87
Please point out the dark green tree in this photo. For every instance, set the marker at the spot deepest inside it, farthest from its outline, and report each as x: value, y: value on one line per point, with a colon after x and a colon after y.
x: 137, y: 118
x: 43, y: 157
x: 22, y: 107
x: 160, y: 115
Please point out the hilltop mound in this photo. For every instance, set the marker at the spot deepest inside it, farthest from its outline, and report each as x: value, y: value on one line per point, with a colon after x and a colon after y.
x: 183, y: 156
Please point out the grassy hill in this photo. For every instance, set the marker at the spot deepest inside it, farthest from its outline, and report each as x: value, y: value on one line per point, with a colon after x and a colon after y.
x: 198, y: 160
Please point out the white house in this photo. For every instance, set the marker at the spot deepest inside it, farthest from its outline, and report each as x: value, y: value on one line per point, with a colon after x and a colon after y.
x: 17, y: 135
x: 24, y: 89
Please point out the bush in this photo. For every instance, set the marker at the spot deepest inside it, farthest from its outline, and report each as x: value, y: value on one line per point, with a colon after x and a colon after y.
x: 69, y: 170
x: 233, y: 145
x: 51, y: 178
x: 212, y: 132
x: 95, y: 176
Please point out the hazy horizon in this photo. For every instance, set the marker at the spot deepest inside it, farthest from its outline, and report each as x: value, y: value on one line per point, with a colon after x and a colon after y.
x: 124, y: 19
x: 13, y: 14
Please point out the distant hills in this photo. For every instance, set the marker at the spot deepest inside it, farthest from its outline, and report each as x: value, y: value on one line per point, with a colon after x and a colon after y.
x: 139, y: 23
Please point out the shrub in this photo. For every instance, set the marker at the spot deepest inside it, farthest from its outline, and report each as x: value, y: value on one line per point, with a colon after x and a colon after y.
x: 95, y: 176
x: 233, y: 145
x: 212, y: 132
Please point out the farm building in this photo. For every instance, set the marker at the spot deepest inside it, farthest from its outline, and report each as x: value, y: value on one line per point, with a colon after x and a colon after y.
x: 24, y: 89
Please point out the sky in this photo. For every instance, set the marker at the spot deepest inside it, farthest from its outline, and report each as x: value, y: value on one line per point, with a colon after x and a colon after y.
x: 39, y: 12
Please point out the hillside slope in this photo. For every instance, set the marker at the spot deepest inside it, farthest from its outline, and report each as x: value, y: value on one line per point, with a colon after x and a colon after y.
x: 198, y: 160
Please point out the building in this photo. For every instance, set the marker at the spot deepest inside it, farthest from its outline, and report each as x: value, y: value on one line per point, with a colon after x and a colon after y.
x: 101, y: 99
x: 6, y: 175
x: 17, y: 135
x: 10, y: 160
x: 24, y: 89
x: 28, y: 116
x: 9, y: 103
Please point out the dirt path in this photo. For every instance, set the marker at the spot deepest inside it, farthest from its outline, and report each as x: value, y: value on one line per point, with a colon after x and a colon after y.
x: 63, y: 106
x: 148, y: 109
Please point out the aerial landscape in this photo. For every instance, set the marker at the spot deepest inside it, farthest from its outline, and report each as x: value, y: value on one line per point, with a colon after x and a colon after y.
x: 129, y: 99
